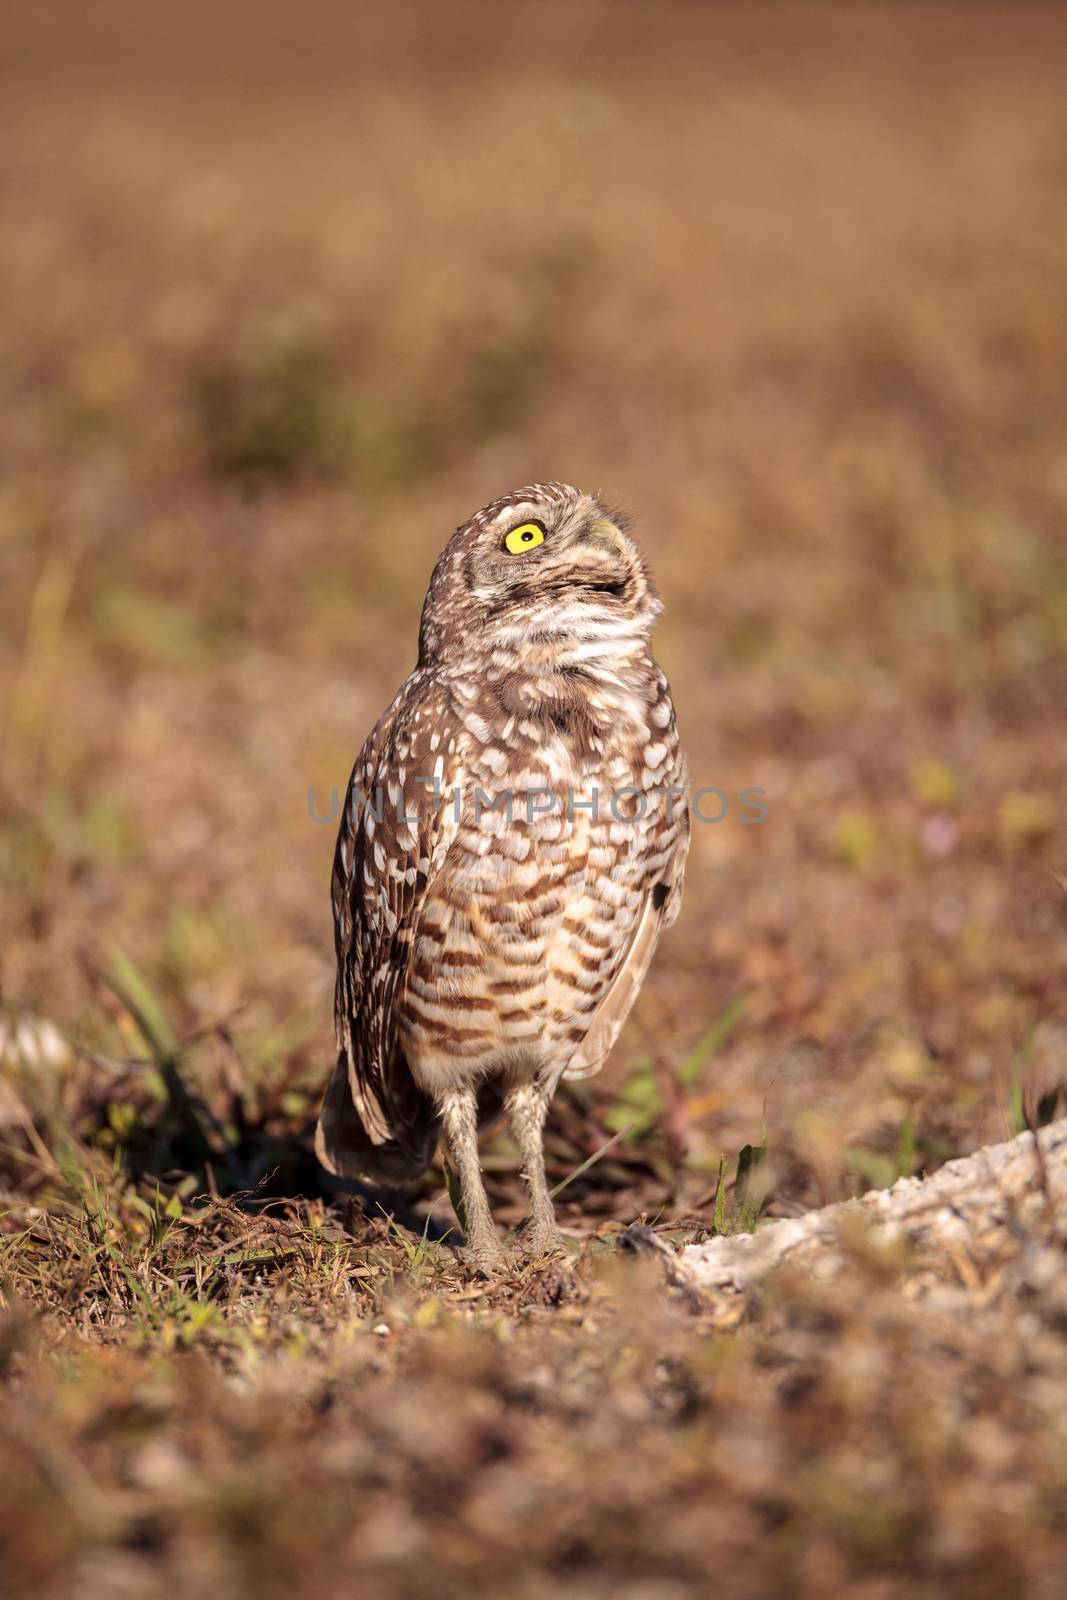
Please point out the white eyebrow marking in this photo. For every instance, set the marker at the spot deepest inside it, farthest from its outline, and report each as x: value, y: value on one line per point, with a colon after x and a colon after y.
x: 516, y: 514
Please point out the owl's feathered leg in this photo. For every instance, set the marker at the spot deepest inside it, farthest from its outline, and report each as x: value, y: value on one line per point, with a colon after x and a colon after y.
x: 527, y: 1107
x: 459, y: 1124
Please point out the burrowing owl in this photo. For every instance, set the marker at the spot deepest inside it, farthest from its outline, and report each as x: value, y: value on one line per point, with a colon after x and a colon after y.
x: 513, y: 840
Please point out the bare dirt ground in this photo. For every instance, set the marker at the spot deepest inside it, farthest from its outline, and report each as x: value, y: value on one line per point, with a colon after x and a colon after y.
x: 284, y: 295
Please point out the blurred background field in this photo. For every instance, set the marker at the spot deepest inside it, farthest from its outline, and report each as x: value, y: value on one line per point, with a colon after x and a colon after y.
x: 285, y: 294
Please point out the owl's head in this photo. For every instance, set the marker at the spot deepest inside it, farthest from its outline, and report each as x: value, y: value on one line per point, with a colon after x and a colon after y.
x: 540, y: 563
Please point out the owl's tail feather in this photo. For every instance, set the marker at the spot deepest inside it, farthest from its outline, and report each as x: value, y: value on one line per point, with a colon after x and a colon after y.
x: 345, y: 1148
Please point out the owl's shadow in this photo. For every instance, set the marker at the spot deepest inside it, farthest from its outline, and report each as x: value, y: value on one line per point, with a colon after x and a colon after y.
x: 257, y: 1168
x: 393, y: 1204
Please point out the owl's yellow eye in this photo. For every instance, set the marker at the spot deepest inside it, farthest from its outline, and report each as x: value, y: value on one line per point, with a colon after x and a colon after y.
x: 527, y: 536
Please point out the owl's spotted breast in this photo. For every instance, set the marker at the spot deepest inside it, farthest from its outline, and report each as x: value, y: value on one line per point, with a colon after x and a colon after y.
x: 523, y: 933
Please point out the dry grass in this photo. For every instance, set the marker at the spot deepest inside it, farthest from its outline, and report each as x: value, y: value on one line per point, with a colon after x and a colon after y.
x: 283, y: 300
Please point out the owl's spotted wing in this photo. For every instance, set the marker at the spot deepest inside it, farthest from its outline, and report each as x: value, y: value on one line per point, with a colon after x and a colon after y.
x: 394, y: 835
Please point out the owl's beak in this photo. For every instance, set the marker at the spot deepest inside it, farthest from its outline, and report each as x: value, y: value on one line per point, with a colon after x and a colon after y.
x: 606, y: 530
x: 608, y: 573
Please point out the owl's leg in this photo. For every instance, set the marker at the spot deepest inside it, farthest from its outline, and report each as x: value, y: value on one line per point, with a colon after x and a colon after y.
x: 459, y: 1124
x: 527, y: 1107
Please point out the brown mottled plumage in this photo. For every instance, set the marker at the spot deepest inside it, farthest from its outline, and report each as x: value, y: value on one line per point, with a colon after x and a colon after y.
x: 492, y: 932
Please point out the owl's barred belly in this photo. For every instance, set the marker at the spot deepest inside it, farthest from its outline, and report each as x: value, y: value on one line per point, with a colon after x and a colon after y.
x: 520, y: 939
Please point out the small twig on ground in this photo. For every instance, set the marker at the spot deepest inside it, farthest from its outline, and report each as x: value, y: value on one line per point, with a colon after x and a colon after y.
x: 590, y: 1161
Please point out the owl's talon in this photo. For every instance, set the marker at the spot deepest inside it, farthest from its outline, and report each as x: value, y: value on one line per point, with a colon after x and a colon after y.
x: 544, y: 1242
x: 484, y: 1260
